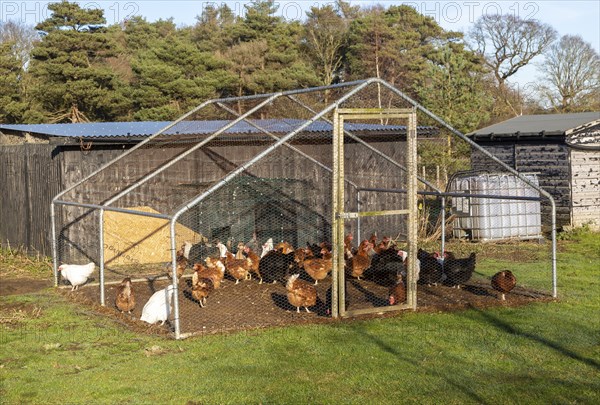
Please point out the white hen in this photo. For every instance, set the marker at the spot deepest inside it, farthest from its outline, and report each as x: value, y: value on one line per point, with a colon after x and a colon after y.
x: 158, y: 307
x: 76, y: 274
x: 404, y: 254
x: 266, y: 247
x: 222, y: 250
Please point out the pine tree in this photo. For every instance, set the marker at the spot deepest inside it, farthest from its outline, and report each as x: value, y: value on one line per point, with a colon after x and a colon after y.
x: 452, y: 85
x: 265, y: 54
x: 392, y: 44
x: 73, y: 82
x: 12, y: 104
x: 171, y: 75
x: 212, y: 32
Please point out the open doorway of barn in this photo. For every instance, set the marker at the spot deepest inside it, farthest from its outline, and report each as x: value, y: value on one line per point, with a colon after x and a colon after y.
x: 276, y: 220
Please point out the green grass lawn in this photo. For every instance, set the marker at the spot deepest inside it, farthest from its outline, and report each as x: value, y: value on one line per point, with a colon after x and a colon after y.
x: 52, y: 351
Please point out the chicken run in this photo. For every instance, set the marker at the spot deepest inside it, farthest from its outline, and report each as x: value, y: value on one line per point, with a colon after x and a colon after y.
x: 311, y: 205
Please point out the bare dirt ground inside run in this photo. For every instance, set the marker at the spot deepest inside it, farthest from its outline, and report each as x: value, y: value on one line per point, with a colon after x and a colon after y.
x: 250, y: 305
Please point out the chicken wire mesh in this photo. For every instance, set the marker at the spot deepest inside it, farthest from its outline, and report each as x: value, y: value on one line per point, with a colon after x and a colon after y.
x: 494, y: 221
x: 198, y: 204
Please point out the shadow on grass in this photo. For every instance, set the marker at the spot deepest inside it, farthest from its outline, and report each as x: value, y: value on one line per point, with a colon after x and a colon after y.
x: 433, y: 371
x: 511, y: 329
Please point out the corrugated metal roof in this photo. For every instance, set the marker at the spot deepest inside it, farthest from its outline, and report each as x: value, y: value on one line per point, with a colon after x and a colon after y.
x: 542, y: 124
x: 91, y: 129
x: 143, y: 129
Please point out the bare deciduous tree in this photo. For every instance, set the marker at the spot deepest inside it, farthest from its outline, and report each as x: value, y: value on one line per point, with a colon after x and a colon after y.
x: 21, y: 36
x: 570, y: 78
x: 324, y: 35
x: 507, y: 43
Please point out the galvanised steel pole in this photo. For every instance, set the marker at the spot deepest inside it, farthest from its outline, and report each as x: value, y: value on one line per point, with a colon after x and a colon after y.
x: 175, y: 279
x: 101, y: 257
x: 54, y: 243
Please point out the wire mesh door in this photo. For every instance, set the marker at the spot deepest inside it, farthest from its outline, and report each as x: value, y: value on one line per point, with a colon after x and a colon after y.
x: 372, y: 294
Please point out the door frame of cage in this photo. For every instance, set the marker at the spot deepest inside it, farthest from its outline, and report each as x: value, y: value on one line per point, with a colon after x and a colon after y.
x: 339, y: 214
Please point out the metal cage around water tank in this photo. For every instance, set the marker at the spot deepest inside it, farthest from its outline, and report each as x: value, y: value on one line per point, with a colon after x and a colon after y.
x: 495, y: 206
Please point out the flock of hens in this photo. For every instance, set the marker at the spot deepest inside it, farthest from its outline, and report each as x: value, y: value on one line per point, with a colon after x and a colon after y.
x: 282, y: 263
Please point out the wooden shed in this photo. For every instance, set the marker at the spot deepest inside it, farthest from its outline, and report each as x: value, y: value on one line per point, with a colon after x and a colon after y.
x: 38, y: 161
x: 564, y: 151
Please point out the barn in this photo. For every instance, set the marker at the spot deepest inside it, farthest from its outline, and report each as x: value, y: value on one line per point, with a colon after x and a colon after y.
x: 562, y: 149
x: 37, y: 161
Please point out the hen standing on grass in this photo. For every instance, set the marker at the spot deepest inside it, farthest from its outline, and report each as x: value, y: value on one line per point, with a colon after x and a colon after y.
x: 125, y: 300
x: 76, y: 274
x: 504, y: 281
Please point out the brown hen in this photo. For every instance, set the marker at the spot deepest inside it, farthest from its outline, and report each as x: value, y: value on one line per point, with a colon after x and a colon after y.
x: 201, y: 286
x: 318, y: 268
x: 125, y: 300
x: 214, y: 269
x: 300, y: 293
x: 397, y: 293
x: 255, y: 260
x: 504, y: 281
x: 237, y: 268
x: 361, y: 260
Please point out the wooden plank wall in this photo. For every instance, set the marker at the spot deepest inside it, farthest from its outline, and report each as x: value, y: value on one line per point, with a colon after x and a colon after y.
x: 551, y: 163
x: 34, y: 174
x: 503, y: 151
x: 306, y: 193
x: 44, y: 183
x: 30, y: 177
x: 78, y: 227
x: 585, y: 136
x: 585, y: 176
x: 13, y: 211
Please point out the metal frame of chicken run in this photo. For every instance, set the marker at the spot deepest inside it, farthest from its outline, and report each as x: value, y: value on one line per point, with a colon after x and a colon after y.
x: 326, y: 160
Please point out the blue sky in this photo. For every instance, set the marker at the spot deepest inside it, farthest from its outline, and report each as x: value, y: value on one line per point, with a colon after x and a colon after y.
x: 567, y: 17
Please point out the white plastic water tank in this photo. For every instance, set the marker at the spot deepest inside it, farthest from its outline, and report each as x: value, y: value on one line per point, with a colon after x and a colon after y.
x: 482, y: 218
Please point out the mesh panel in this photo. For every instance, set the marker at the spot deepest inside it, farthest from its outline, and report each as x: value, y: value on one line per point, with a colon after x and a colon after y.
x: 254, y: 176
x: 494, y: 222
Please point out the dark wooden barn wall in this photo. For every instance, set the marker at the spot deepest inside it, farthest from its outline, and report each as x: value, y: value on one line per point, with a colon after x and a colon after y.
x: 78, y: 227
x: 76, y: 164
x: 549, y: 160
x: 30, y: 177
x: 306, y: 193
x: 35, y: 173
